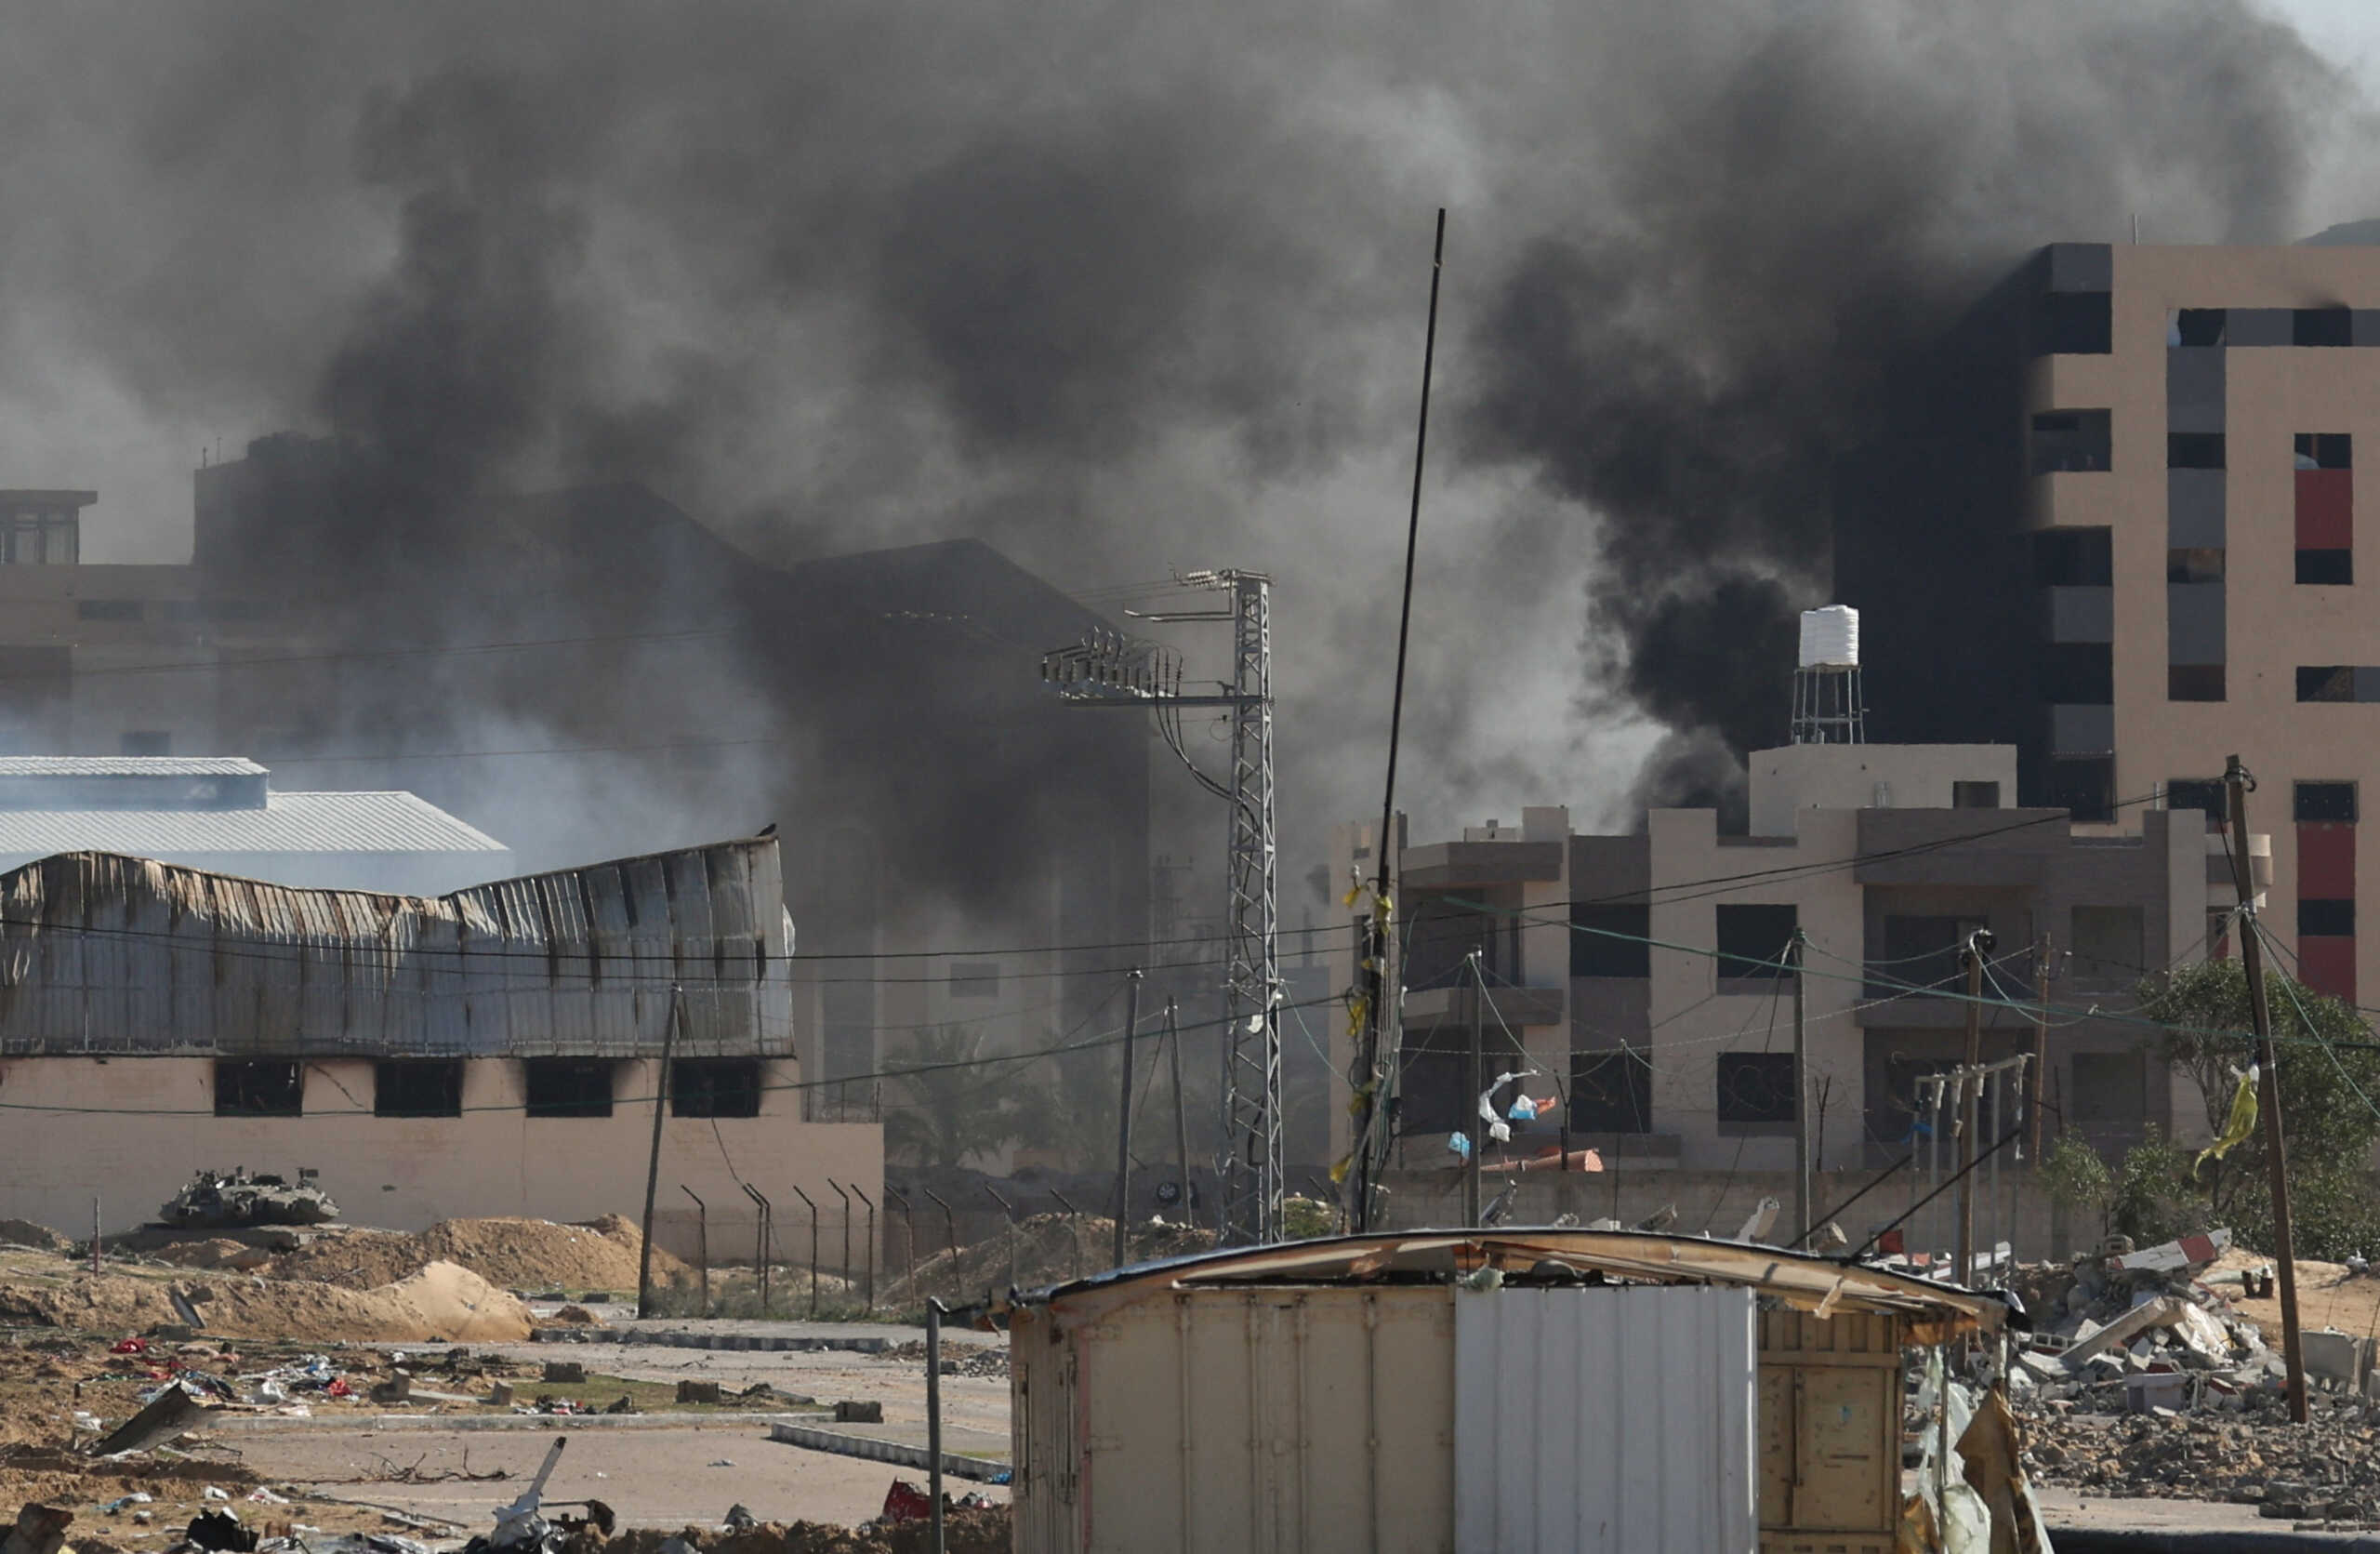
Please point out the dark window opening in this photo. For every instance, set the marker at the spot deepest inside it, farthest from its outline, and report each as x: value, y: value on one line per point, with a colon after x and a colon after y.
x: 2326, y: 919
x: 974, y: 978
x: 1442, y: 931
x: 2077, y: 673
x: 147, y: 741
x: 2325, y: 450
x: 417, y: 1087
x: 1758, y: 941
x: 2071, y: 440
x: 2073, y: 558
x: 2199, y: 326
x: 1611, y: 1091
x: 2075, y: 323
x: 2194, y: 683
x: 715, y: 1087
x: 2205, y: 794
x: 569, y: 1086
x: 2201, y: 564
x: 108, y: 609
x: 2326, y: 568
x: 2325, y: 683
x: 2322, y: 326
x: 1596, y: 952
x: 259, y: 1089
x: 1975, y: 795
x: 2325, y: 801
x: 2193, y: 450
x: 2085, y: 784
x: 2109, y: 1087
x: 1755, y: 1088
x: 2107, y: 942
x: 1922, y: 952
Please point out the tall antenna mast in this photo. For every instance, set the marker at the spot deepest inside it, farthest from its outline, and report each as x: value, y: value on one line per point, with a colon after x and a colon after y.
x: 1108, y: 668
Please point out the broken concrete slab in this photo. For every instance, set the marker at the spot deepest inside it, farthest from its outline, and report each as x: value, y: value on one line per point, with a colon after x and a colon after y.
x: 171, y: 1414
x: 2159, y: 1311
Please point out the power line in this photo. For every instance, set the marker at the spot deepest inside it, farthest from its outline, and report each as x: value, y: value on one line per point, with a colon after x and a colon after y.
x: 449, y: 650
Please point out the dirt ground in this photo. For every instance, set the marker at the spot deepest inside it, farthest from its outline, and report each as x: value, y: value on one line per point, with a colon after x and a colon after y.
x: 440, y: 1301
x: 2328, y: 1296
x: 526, y: 1254
x: 1042, y: 1250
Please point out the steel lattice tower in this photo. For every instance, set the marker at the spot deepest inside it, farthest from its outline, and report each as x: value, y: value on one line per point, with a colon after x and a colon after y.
x: 1108, y: 668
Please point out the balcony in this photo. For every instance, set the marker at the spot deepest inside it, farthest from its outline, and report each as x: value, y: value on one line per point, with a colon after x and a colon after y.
x: 2069, y: 498
x: 1460, y: 864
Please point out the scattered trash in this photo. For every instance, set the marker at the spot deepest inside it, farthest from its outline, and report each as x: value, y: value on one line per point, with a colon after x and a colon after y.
x: 723, y: 1462
x: 212, y: 1493
x: 138, y: 1498
x: 740, y: 1517
x: 853, y: 1413
x: 222, y: 1531
x: 906, y: 1502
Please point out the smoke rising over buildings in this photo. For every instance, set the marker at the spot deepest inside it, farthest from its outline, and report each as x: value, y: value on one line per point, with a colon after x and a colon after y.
x: 1111, y: 290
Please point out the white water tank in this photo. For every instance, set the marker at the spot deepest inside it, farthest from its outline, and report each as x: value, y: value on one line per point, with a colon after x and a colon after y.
x: 1830, y: 637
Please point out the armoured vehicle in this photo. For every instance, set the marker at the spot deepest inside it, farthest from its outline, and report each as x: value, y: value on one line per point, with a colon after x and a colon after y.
x: 214, y: 1200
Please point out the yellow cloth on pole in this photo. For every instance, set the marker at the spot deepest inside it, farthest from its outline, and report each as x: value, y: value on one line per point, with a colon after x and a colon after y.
x: 2238, y: 1126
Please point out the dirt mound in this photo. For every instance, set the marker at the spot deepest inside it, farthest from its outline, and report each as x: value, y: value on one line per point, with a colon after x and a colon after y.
x: 24, y: 1232
x: 439, y: 1301
x: 965, y: 1532
x: 510, y: 1253
x: 1045, y: 1249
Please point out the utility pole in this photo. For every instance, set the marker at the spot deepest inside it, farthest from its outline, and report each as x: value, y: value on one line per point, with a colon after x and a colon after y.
x: 1124, y: 1120
x: 652, y: 1163
x: 2238, y: 780
x: 1108, y: 668
x: 1180, y: 1114
x: 2045, y: 963
x: 1979, y: 946
x: 1474, y: 1125
x: 1801, y: 1098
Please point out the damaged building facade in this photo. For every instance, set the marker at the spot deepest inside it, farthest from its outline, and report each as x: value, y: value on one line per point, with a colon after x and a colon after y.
x: 1652, y: 975
x: 493, y: 1051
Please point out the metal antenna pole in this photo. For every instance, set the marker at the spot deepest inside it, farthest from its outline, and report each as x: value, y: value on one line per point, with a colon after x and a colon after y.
x: 1124, y: 1123
x: 1180, y: 1116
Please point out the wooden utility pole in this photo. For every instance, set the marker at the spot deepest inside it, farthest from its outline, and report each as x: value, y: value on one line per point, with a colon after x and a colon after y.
x: 1180, y: 1115
x: 1800, y: 1101
x: 653, y: 1164
x: 1124, y: 1120
x: 1979, y: 946
x: 2044, y: 957
x: 1474, y: 1125
x: 2236, y: 779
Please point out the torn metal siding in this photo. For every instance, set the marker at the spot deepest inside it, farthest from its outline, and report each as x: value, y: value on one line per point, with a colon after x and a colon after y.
x: 104, y: 953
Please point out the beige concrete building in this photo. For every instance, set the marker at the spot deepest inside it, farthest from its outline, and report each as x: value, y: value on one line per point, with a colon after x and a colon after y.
x: 1647, y: 971
x: 2160, y: 504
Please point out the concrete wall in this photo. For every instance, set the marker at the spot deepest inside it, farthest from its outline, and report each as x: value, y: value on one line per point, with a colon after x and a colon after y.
x: 131, y: 1130
x: 1849, y: 777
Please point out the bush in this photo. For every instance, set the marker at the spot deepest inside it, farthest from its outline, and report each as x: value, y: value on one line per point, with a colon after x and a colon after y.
x: 2078, y: 1180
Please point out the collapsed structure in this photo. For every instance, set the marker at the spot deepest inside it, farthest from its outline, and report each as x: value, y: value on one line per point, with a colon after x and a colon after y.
x: 488, y: 1050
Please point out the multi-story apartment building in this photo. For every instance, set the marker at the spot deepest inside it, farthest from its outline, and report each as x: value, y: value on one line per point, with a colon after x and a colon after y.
x: 2119, y: 531
x: 1650, y: 970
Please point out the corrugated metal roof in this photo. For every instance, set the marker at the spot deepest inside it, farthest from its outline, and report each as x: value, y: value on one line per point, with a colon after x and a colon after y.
x: 395, y: 822
x: 103, y: 953
x: 128, y: 766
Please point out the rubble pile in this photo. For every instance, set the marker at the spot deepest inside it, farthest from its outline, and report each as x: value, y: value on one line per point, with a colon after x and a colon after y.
x: 982, y: 1530
x: 510, y: 1253
x: 958, y: 1360
x: 2327, y: 1469
x: 437, y: 1301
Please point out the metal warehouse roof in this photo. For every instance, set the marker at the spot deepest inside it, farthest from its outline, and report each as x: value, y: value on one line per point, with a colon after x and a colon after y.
x: 395, y: 822
x: 128, y: 766
x: 106, y: 954
x: 1799, y: 1280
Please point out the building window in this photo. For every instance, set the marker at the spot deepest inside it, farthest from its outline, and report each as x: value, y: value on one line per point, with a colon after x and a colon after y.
x: 2073, y: 558
x: 249, y: 1089
x: 2107, y: 942
x: 2204, y: 794
x: 1921, y: 952
x: 2085, y: 786
x: 2325, y: 508
x: 2322, y: 326
x: 2195, y: 564
x: 417, y: 1087
x: 568, y: 1086
x: 2075, y: 323
x: 2320, y: 918
x: 2077, y: 673
x: 1975, y: 795
x: 1610, y: 941
x: 2071, y: 440
x: 2337, y: 682
x: 1755, y: 1088
x: 2325, y: 801
x: 974, y: 978
x: 36, y: 539
x: 715, y: 1087
x: 107, y: 609
x: 146, y: 741
x: 1756, y: 943
x: 2194, y: 683
x: 1611, y: 1091
x: 2198, y: 326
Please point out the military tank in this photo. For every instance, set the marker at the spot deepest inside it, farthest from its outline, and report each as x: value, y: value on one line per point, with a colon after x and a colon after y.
x: 215, y: 1201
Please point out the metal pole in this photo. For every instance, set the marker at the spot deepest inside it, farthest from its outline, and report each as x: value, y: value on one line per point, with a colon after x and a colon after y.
x: 2252, y: 962
x: 1800, y: 1097
x: 1180, y: 1115
x: 813, y: 1251
x: 653, y: 1164
x: 837, y: 1189
x: 1979, y: 946
x: 1010, y: 1210
x: 870, y: 1246
x: 949, y: 1234
x: 1073, y: 1227
x: 1991, y: 1189
x: 702, y: 1243
x: 908, y: 1237
x: 1124, y: 1123
x: 1471, y: 1109
x: 2042, y: 960
x: 933, y: 1414
x: 1934, y: 1160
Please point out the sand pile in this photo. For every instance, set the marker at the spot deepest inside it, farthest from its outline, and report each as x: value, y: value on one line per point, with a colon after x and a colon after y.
x: 24, y: 1232
x: 1044, y: 1249
x: 532, y: 1254
x: 439, y: 1301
